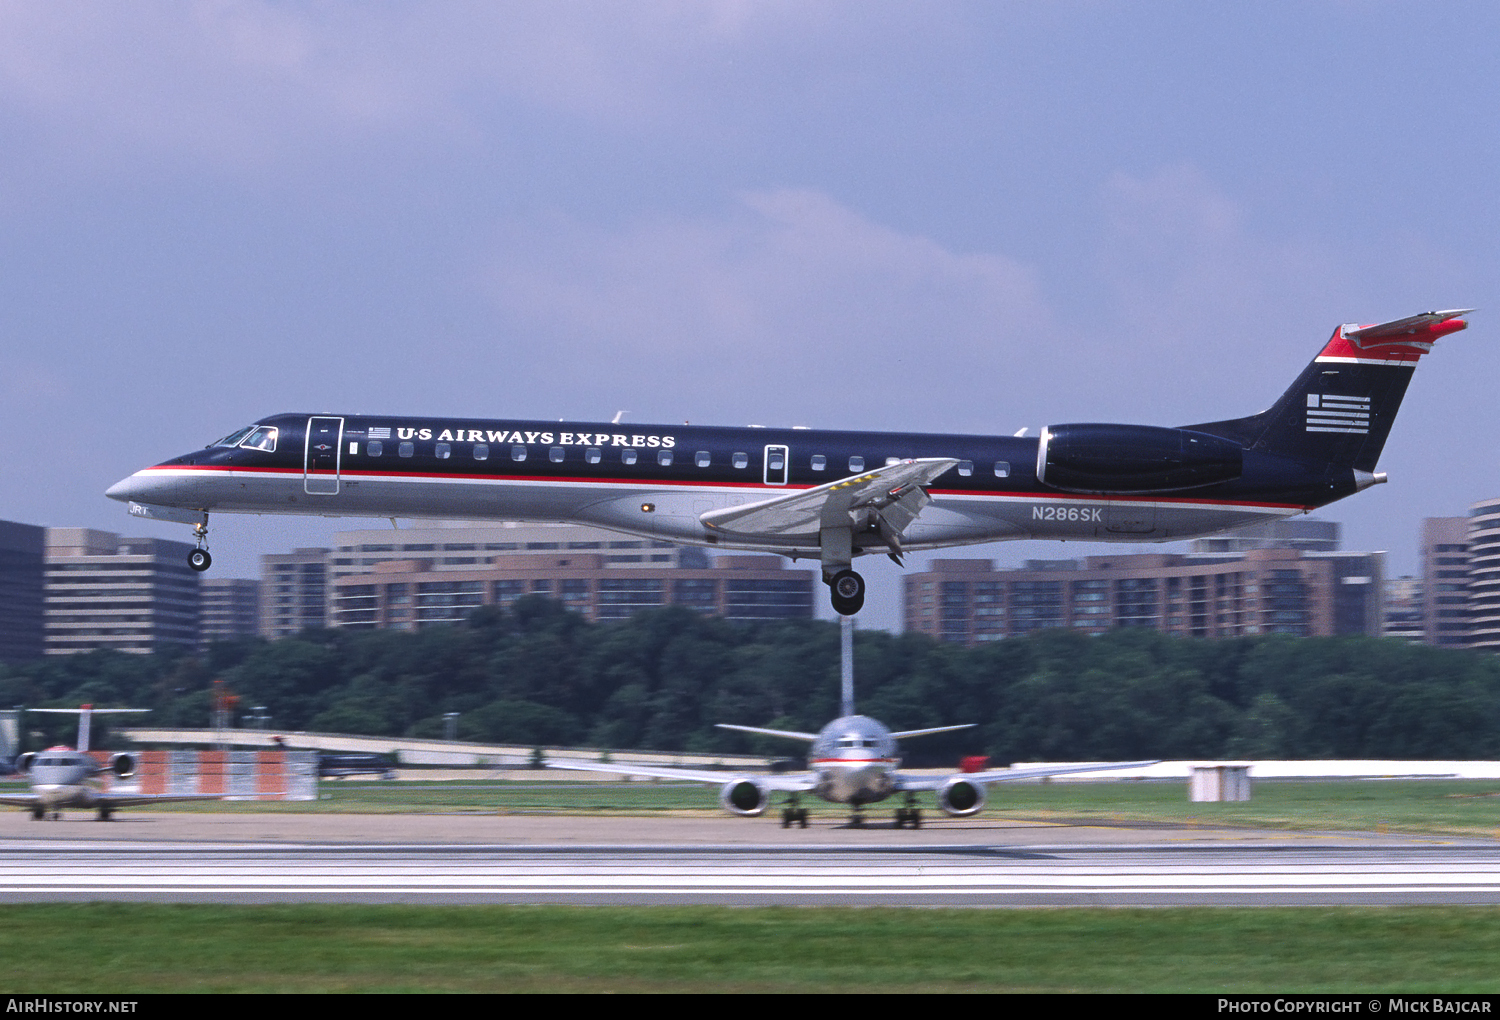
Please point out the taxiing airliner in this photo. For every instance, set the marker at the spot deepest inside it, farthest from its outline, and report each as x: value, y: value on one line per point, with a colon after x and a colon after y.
x: 825, y: 495
x: 853, y: 760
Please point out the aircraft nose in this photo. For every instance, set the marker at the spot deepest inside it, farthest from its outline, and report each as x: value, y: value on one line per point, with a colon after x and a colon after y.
x: 127, y: 489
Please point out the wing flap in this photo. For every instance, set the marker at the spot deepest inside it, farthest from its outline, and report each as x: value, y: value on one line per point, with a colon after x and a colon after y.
x: 894, y: 491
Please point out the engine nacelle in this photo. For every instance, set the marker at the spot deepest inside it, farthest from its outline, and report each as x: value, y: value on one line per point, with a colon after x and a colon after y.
x: 744, y: 797
x: 961, y: 797
x: 1134, y: 459
x: 122, y: 765
x: 23, y: 762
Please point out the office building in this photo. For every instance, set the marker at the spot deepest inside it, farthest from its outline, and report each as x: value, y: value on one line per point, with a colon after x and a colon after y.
x: 436, y: 575
x: 1483, y: 540
x: 293, y: 592
x: 22, y: 583
x: 230, y: 608
x: 1445, y: 581
x: 126, y: 594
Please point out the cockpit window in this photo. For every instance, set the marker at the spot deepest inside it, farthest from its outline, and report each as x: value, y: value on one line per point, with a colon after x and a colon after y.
x: 263, y: 439
x: 233, y: 439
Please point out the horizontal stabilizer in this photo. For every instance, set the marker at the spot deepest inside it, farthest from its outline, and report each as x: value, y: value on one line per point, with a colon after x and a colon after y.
x: 1412, y: 327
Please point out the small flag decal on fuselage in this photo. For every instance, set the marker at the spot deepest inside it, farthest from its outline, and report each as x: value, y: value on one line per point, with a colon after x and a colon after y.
x: 1333, y: 412
x: 375, y: 433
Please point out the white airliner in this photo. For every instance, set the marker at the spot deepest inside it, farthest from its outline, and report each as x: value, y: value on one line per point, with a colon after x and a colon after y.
x: 853, y: 760
x: 817, y: 494
x: 67, y: 777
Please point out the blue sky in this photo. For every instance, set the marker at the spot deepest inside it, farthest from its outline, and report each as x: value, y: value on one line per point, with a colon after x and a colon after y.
x: 917, y: 216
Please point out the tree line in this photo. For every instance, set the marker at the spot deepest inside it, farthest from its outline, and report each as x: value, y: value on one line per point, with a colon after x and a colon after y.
x: 538, y: 675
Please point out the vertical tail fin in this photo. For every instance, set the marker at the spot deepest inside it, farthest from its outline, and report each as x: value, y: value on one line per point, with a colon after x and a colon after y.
x: 1341, y: 408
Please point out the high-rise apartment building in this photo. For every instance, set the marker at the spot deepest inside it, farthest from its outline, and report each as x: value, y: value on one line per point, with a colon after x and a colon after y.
x: 128, y: 594
x: 1263, y: 591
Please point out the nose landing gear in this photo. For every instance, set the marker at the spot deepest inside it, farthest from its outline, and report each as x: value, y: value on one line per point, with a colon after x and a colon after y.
x: 199, y: 559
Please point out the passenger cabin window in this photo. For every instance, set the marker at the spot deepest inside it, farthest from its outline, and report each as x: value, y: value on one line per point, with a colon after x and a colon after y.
x: 262, y: 439
x: 664, y: 458
x: 517, y: 452
x: 740, y: 460
x: 555, y: 455
x: 481, y: 451
x: 374, y: 448
x: 819, y: 462
x: 593, y: 455
x: 405, y: 450
x: 627, y: 456
x: 702, y: 458
x: 966, y: 468
x: 856, y: 463
x: 1002, y: 469
x: 443, y: 451
x: 776, y: 459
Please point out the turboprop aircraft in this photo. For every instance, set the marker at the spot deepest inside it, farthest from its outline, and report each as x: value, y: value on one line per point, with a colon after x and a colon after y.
x: 853, y: 760
x: 66, y: 777
x: 825, y: 495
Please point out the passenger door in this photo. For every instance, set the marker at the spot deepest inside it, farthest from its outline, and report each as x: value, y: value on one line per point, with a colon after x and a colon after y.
x: 320, y: 472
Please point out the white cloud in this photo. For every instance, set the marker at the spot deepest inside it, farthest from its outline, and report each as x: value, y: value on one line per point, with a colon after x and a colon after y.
x: 1191, y: 282
x: 786, y: 283
x: 239, y: 80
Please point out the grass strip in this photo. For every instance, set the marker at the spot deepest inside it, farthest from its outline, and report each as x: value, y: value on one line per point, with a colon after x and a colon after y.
x: 142, y: 948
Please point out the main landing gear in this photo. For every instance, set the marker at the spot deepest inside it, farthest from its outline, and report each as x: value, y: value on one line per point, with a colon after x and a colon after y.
x: 847, y: 591
x: 793, y: 815
x: 910, y: 815
x: 199, y: 559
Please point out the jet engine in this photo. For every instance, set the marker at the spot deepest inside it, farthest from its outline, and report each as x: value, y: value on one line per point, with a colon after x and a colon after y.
x: 122, y: 765
x: 961, y: 798
x: 744, y: 797
x: 23, y: 762
x: 1133, y: 459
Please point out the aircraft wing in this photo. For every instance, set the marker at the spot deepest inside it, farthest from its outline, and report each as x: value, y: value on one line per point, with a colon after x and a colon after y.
x: 1013, y: 775
x: 794, y: 783
x: 889, y: 497
x: 113, y: 800
x: 144, y: 799
x: 788, y: 734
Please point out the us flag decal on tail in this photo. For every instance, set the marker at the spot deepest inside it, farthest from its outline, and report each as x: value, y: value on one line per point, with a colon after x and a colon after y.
x: 1333, y: 412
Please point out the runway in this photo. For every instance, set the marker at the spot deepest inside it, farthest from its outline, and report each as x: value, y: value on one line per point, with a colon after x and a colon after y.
x: 1253, y: 872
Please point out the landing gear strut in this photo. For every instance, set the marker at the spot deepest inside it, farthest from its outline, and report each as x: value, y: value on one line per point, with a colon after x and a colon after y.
x: 199, y: 559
